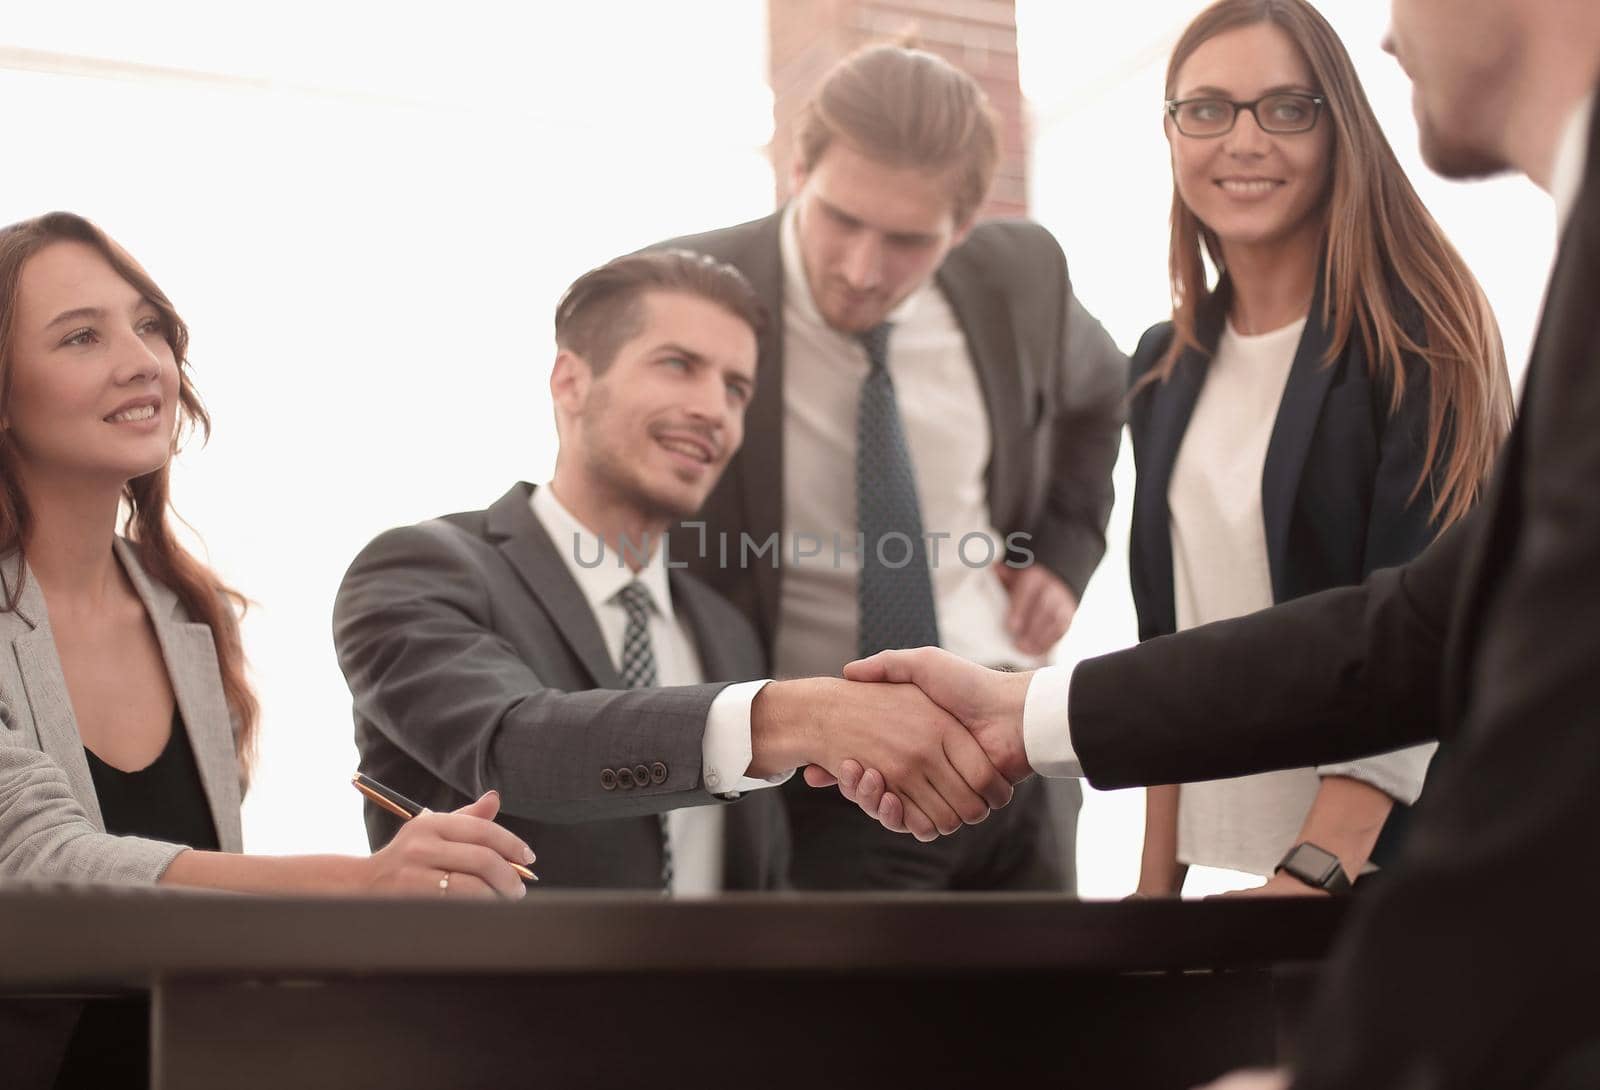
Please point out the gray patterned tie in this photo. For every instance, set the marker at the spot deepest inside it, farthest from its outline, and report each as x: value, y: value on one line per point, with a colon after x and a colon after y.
x: 639, y: 672
x: 894, y: 598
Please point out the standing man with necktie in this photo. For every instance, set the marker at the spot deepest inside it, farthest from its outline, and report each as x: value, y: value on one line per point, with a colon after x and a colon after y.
x: 546, y: 648
x: 930, y: 444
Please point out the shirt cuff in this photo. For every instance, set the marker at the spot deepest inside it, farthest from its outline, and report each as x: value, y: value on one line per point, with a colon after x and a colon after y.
x: 725, y: 747
x: 1399, y: 774
x: 1046, y: 741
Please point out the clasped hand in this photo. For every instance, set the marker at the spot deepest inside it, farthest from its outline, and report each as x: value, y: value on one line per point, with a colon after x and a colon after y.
x: 923, y: 740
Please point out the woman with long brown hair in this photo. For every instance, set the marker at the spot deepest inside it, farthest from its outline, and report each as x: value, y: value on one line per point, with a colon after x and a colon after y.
x: 126, y: 720
x: 1323, y: 407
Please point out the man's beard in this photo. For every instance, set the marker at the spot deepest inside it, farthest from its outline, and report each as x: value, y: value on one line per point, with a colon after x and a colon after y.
x: 616, y: 476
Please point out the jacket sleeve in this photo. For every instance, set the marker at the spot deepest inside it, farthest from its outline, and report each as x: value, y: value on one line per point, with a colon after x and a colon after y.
x: 45, y: 835
x: 1353, y: 671
x: 414, y: 631
x: 1070, y: 536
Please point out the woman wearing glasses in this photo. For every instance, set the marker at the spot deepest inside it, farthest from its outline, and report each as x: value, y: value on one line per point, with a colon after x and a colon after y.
x: 1324, y: 407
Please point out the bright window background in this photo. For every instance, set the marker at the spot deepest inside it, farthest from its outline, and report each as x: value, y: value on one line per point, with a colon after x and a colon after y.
x: 366, y: 212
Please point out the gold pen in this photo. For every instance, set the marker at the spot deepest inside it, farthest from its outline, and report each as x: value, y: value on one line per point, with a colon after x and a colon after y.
x: 405, y: 809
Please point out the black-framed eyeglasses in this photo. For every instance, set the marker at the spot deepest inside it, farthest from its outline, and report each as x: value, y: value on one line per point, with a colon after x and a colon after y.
x: 1283, y: 112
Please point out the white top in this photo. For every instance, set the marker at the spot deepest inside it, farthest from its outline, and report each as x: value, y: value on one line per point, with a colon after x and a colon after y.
x: 694, y: 832
x: 1219, y: 538
x: 1220, y: 570
x: 947, y: 432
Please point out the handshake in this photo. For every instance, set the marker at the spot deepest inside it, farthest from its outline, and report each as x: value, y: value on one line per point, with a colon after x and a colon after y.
x: 921, y: 740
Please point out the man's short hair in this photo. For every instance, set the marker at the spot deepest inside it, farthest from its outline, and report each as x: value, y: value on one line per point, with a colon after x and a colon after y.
x: 604, y: 308
x: 907, y: 108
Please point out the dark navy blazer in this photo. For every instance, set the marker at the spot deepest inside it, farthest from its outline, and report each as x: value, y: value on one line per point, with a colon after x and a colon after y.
x: 1338, y: 490
x: 1339, y: 493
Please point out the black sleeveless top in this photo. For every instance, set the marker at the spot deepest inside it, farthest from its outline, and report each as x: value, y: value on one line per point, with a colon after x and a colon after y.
x: 163, y: 801
x: 110, y: 1045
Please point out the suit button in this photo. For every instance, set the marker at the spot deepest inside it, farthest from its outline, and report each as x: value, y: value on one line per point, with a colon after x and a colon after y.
x: 608, y: 779
x: 625, y: 777
x: 641, y: 775
x: 658, y: 773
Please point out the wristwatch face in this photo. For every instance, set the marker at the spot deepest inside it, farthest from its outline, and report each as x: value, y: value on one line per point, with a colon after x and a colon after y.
x: 1315, y: 867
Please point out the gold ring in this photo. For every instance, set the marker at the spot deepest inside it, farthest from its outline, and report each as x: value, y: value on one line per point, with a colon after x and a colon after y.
x: 444, y: 885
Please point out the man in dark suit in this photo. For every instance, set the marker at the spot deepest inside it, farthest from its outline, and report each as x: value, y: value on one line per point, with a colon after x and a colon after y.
x: 931, y: 442
x: 1475, y: 965
x: 544, y: 647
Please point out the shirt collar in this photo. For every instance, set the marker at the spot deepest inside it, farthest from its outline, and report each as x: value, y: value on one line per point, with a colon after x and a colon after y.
x: 599, y: 582
x: 1566, y: 177
x: 797, y: 287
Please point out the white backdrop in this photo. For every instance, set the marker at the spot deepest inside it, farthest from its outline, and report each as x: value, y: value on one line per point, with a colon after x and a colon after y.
x: 366, y: 212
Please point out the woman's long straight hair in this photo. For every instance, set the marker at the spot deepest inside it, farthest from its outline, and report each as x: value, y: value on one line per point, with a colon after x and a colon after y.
x: 1380, y: 246
x: 147, y: 504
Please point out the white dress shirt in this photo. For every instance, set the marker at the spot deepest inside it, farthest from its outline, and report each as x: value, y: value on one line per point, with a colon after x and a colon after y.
x: 948, y: 435
x: 1566, y: 176
x: 694, y: 832
x: 1046, y: 734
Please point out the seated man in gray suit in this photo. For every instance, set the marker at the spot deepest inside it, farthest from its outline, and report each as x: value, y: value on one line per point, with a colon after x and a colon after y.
x: 546, y: 648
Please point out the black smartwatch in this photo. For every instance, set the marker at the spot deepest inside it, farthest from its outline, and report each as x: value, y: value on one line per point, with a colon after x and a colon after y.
x: 1316, y: 868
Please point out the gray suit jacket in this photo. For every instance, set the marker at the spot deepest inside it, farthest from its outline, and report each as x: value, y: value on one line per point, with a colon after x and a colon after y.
x: 475, y: 662
x: 1053, y: 384
x: 50, y: 822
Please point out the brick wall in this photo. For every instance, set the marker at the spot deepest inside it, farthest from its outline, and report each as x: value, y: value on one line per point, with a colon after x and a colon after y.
x: 979, y: 36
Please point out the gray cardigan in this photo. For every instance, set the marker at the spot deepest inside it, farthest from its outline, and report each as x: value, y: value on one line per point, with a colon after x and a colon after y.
x: 50, y: 822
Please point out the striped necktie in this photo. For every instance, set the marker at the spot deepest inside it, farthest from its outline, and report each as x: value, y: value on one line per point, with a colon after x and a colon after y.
x: 639, y: 672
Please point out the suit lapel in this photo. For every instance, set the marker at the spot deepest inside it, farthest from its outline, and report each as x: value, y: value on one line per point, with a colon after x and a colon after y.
x: 1570, y: 298
x: 760, y: 460
x: 1172, y: 406
x: 190, y: 653
x: 716, y: 664
x: 985, y: 322
x: 525, y: 545
x: 1501, y: 502
x: 1309, y: 378
x: 48, y: 698
x: 712, y: 662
